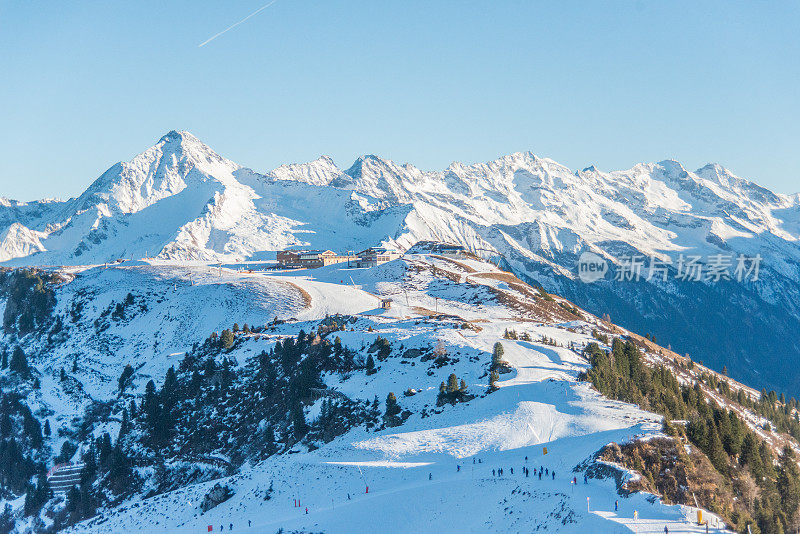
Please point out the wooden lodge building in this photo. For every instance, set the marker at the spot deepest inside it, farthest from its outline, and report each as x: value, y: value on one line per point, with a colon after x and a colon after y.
x: 310, y: 259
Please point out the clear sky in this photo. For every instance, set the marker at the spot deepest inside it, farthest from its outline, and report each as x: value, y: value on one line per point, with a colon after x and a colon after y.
x: 86, y: 84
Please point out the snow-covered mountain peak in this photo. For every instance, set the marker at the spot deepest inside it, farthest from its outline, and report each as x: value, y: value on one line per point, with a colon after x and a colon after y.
x: 322, y: 171
x: 159, y: 172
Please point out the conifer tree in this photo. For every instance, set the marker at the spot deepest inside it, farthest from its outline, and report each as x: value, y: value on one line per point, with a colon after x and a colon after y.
x: 493, y: 378
x: 452, y: 383
x: 124, y: 378
x: 497, y: 356
x: 226, y: 340
x: 370, y: 365
x: 19, y: 362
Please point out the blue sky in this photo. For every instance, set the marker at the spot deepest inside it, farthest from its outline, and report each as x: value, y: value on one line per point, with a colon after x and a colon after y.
x: 86, y: 84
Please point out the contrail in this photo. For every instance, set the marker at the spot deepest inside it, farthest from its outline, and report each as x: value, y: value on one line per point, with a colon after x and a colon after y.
x: 232, y: 26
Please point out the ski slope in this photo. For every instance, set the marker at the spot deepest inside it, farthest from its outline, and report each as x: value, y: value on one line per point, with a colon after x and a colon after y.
x: 433, y: 473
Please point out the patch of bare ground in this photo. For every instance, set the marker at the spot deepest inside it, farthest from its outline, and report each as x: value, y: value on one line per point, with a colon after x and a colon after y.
x: 302, y: 292
x: 679, y: 474
x: 464, y: 267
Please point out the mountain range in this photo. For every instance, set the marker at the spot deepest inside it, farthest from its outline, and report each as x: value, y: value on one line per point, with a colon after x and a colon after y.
x: 179, y: 201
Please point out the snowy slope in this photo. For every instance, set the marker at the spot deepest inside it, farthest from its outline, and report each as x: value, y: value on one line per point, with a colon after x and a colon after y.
x: 415, y: 484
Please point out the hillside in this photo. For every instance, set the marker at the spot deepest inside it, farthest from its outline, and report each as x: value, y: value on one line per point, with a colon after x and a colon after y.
x: 301, y: 385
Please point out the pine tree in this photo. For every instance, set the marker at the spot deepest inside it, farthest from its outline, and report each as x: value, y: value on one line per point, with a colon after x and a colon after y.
x: 788, y: 483
x: 393, y: 410
x: 4, y: 359
x: 19, y: 362
x: 370, y: 365
x: 226, y: 340
x: 299, y: 424
x: 452, y: 383
x: 47, y: 428
x: 125, y: 378
x: 497, y: 356
x: 493, y: 378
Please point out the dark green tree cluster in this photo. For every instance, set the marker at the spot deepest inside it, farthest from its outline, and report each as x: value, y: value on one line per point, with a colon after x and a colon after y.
x: 781, y: 411
x: 21, y: 441
x: 453, y: 391
x: 30, y: 300
x: 726, y: 440
x: 382, y: 346
x: 498, y: 363
x: 394, y: 414
x: 37, y: 495
x: 213, y: 405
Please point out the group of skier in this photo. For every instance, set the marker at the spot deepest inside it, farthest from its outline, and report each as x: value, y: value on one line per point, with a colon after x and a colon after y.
x: 542, y: 471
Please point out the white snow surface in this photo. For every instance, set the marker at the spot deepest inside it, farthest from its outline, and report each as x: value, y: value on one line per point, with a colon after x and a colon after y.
x: 411, y: 470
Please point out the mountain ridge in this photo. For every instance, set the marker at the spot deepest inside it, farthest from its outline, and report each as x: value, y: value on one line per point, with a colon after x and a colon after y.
x: 181, y: 201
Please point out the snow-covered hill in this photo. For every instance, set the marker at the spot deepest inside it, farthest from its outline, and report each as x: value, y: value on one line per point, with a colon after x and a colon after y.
x: 432, y: 472
x: 180, y: 201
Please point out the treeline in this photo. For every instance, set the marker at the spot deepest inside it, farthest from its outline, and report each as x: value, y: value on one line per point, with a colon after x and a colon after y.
x: 780, y: 411
x: 768, y: 491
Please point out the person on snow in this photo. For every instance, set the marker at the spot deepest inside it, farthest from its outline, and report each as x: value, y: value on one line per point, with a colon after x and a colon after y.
x: 249, y: 523
x: 526, y: 458
x: 585, y: 479
x: 306, y: 510
x: 512, y: 470
x: 430, y: 476
x: 348, y: 496
x: 493, y: 472
x: 458, y: 468
x: 616, y: 506
x: 666, y: 530
x: 540, y: 475
x: 554, y: 474
x: 230, y: 527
